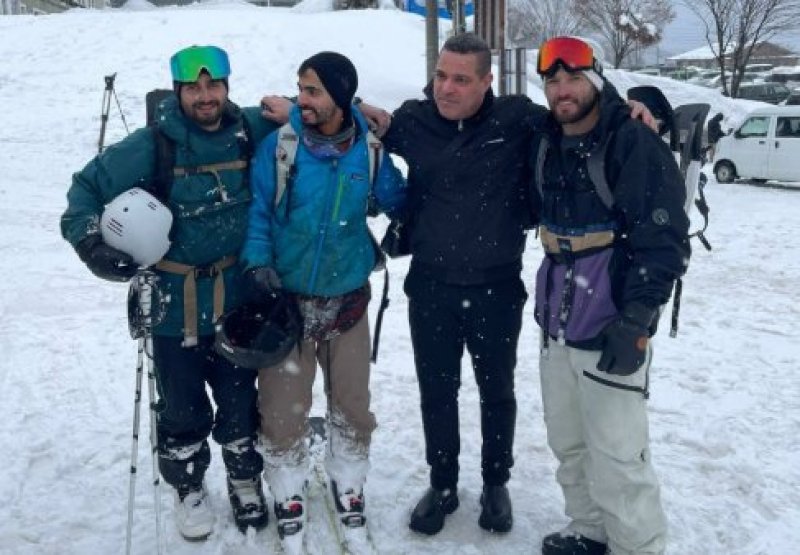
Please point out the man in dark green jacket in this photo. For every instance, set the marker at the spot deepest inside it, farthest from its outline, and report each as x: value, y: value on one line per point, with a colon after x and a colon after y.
x: 199, y: 277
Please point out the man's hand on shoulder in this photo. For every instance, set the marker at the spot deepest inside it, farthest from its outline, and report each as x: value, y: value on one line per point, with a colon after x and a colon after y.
x: 640, y: 111
x: 378, y: 119
x: 276, y: 108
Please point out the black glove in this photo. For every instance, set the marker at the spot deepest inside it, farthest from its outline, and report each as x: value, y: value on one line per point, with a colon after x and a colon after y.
x: 262, y: 282
x: 625, y: 347
x: 104, y: 261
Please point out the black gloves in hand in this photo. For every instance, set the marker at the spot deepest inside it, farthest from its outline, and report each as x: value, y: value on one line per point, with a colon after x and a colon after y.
x: 261, y: 282
x: 104, y: 261
x: 625, y: 348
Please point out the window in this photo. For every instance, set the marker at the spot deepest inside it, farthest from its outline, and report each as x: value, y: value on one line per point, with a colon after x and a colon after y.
x: 788, y: 127
x: 754, y: 127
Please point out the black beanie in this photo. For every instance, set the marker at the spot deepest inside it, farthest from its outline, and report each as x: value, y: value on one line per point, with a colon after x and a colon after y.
x: 338, y: 76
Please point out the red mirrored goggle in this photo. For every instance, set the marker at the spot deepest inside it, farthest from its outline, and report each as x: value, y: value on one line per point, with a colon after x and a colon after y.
x: 571, y: 53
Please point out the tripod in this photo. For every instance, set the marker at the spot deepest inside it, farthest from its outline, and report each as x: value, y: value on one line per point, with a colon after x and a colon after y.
x: 106, y: 108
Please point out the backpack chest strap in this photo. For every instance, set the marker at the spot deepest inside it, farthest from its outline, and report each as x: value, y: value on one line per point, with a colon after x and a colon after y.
x: 183, y: 171
x: 191, y: 273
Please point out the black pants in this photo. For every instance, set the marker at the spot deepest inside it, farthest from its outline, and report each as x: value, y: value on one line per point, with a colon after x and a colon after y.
x: 487, y: 319
x: 187, y: 417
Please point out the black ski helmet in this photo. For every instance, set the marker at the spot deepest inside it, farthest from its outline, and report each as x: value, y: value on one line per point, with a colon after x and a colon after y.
x: 258, y: 335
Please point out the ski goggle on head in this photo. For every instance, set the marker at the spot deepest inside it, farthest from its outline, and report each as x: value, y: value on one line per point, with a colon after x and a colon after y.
x: 187, y: 64
x: 570, y: 53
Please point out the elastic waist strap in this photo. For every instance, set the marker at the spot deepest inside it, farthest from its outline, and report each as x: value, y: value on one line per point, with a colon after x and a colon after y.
x: 213, y: 270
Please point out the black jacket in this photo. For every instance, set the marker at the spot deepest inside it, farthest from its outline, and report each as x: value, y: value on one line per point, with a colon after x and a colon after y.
x: 468, y: 183
x: 651, y: 248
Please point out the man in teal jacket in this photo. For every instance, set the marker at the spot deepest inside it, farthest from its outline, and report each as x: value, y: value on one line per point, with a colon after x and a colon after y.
x: 209, y: 198
x: 311, y: 241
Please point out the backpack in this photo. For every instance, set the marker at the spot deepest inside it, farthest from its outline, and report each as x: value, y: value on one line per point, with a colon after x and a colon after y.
x: 285, y: 173
x: 685, y: 125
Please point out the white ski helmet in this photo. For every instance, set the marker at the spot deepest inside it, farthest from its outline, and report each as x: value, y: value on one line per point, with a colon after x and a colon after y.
x: 138, y: 224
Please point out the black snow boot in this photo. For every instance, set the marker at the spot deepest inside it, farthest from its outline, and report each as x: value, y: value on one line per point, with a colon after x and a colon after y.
x: 571, y: 544
x: 248, y: 503
x: 496, y: 509
x: 428, y: 516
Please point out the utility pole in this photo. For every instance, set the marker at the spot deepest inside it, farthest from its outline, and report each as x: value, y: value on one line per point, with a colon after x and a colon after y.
x: 431, y: 36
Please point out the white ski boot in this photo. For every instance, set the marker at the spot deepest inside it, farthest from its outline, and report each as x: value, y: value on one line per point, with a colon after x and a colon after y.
x: 193, y: 514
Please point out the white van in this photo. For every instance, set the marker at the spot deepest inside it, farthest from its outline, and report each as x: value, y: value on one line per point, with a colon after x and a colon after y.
x: 765, y: 146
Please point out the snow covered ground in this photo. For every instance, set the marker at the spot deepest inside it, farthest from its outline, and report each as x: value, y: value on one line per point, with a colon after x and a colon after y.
x: 725, y: 397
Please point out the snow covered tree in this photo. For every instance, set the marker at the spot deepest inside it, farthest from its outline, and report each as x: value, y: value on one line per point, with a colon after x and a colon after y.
x: 625, y: 25
x: 531, y: 22
x: 735, y: 27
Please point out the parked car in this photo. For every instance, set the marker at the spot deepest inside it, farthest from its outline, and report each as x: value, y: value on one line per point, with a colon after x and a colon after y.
x: 765, y: 146
x: 771, y: 93
x: 793, y: 99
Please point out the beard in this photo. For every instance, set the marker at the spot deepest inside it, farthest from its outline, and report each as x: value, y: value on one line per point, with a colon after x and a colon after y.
x: 585, y: 106
x: 315, y: 117
x: 206, y: 113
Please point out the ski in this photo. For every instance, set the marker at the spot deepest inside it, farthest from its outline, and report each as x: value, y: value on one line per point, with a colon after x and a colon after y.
x: 350, y: 540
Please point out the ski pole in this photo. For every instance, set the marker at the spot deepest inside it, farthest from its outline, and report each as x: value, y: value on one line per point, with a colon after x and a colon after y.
x: 137, y: 398
x: 146, y: 284
x: 142, y: 317
x: 151, y: 387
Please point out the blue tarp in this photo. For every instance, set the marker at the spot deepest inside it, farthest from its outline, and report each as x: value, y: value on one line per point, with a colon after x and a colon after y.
x: 418, y: 6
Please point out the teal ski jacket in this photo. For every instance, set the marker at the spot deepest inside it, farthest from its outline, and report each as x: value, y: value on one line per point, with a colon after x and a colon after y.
x: 209, y: 211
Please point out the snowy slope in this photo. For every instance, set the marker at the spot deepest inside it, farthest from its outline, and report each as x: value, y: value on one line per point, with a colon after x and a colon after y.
x: 725, y: 402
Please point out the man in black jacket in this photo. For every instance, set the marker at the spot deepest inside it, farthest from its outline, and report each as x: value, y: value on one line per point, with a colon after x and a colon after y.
x: 468, y: 173
x: 609, y: 267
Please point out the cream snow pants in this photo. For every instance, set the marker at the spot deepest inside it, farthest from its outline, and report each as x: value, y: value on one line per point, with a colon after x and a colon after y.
x: 597, y: 428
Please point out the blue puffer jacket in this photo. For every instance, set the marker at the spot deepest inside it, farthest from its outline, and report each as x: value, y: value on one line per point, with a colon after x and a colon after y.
x: 317, y: 238
x: 210, y: 214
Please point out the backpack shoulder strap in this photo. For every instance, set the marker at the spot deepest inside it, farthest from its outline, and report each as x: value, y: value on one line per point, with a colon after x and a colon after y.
x: 541, y: 156
x: 596, y: 166
x: 164, y: 163
x: 375, y: 153
x: 285, y: 154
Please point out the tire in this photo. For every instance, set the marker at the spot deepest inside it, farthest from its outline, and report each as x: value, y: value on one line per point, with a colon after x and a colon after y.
x: 725, y: 172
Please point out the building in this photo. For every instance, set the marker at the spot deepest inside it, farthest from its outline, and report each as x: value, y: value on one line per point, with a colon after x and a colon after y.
x: 763, y: 53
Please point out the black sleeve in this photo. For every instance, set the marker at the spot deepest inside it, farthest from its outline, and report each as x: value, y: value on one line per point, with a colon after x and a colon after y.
x: 650, y: 194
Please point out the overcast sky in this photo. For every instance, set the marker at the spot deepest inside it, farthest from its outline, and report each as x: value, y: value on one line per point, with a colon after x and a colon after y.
x: 687, y: 33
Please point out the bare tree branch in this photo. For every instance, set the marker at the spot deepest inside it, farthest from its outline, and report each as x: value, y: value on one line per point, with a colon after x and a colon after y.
x: 735, y: 27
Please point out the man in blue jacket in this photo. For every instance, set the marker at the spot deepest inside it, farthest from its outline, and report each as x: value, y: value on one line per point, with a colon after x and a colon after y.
x: 308, y: 239
x: 612, y: 256
x: 198, y: 277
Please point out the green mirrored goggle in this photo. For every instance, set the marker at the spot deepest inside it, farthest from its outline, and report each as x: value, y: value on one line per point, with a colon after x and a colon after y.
x: 187, y: 64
